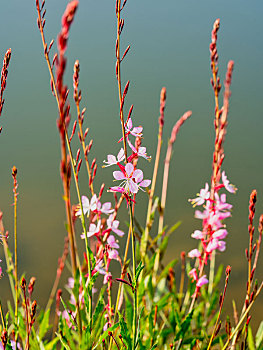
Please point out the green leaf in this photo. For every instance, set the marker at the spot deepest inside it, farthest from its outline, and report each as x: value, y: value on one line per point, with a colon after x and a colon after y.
x: 44, y: 325
x: 185, y: 326
x: 66, y: 309
x: 259, y: 335
x: 250, y: 340
x: 174, y: 227
x: 139, y: 269
x: 105, y: 334
x: 99, y: 308
x: 218, y: 275
x: 163, y: 301
x: 165, y: 271
x: 98, y: 317
x: 124, y: 332
x: 128, y: 311
x: 76, y: 286
x: 51, y: 345
x: 213, y: 303
x: 63, y: 342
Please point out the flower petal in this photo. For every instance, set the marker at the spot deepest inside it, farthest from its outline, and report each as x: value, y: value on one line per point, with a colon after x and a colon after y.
x: 145, y: 183
x: 138, y: 175
x: 129, y: 169
x: 133, y: 187
x: 118, y: 175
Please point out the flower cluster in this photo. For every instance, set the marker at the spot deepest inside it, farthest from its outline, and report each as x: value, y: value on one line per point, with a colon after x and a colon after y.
x: 131, y: 177
x: 214, y: 231
x: 102, y: 228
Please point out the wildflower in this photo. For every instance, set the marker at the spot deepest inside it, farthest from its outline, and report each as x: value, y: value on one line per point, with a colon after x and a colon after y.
x: 136, y: 131
x: 104, y: 208
x: 202, y: 196
x: 221, y: 202
x: 87, y: 205
x: 194, y: 253
x: 111, y: 160
x: 107, y: 277
x: 99, y: 267
x: 133, y: 179
x: 202, y: 280
x: 123, y: 191
x: 216, y: 244
x: 113, y: 254
x: 220, y: 234
x: 229, y: 187
x: 93, y: 230
x: 112, y: 243
x: 113, y: 225
x: 141, y: 152
x: 193, y: 274
x: 198, y: 234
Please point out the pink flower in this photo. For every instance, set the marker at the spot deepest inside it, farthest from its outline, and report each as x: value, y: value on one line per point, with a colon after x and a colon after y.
x: 202, y: 196
x: 136, y: 131
x: 221, y: 202
x: 194, y: 253
x: 230, y: 188
x: 212, y: 245
x: 133, y: 179
x: 104, y: 208
x: 202, y: 280
x: 124, y: 192
x: 113, y: 254
x: 215, y: 244
x: 93, y: 230
x: 113, y: 225
x: 141, y: 152
x: 107, y: 277
x: 99, y: 267
x: 111, y: 160
x: 220, y: 234
x: 87, y: 205
x: 193, y: 274
x: 112, y: 243
x: 198, y: 234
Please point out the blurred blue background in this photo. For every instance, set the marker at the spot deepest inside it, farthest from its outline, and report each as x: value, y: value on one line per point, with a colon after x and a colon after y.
x: 169, y: 47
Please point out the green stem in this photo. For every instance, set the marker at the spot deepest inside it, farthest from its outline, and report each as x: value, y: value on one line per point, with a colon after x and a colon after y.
x: 135, y: 306
x: 242, y: 318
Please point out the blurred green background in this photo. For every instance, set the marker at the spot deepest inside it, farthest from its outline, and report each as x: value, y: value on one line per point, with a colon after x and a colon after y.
x: 169, y: 47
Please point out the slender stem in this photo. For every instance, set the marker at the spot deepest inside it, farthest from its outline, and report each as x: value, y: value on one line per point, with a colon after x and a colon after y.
x: 145, y: 236
x: 211, y: 274
x: 220, y: 309
x: 135, y: 304
x: 119, y: 76
x: 215, y: 170
x: 64, y: 159
x: 63, y: 150
x: 10, y: 267
x: 82, y: 217
x: 14, y: 173
x: 56, y: 282
x: 2, y: 316
x: 83, y: 148
x: 122, y: 276
x: 242, y: 318
x: 27, y: 322
x: 131, y: 230
x: 165, y: 185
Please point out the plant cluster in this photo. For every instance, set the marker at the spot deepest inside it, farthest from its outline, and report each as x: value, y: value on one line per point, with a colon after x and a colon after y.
x: 148, y: 309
